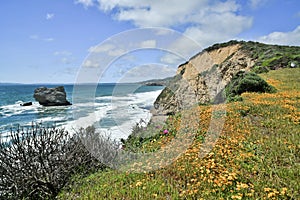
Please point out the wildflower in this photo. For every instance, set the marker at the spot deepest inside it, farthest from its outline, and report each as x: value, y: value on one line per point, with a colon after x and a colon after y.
x: 238, y: 196
x: 166, y: 131
x: 139, y: 183
x: 267, y: 189
x: 271, y: 194
x: 242, y: 186
x: 283, y: 191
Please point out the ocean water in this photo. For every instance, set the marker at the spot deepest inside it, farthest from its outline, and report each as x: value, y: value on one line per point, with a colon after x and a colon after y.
x: 111, y: 108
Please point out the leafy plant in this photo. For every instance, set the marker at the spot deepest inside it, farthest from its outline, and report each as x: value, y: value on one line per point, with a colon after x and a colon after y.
x: 260, y: 69
x: 246, y: 82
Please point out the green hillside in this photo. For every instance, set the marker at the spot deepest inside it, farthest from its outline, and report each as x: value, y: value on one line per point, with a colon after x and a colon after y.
x: 255, y: 157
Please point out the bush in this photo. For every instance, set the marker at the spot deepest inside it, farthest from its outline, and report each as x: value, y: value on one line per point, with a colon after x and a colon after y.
x: 260, y: 69
x: 246, y: 82
x: 38, y: 162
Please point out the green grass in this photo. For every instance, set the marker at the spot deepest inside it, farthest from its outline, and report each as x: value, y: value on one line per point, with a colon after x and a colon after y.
x: 112, y: 184
x: 257, y: 155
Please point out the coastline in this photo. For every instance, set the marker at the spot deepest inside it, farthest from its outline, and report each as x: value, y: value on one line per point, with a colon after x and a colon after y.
x: 107, y: 112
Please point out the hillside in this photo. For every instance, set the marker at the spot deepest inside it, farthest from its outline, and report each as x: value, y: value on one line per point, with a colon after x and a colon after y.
x: 255, y: 156
x: 203, y: 78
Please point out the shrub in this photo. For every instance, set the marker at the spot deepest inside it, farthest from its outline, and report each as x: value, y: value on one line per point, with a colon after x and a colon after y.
x: 260, y: 69
x: 246, y: 82
x: 38, y: 162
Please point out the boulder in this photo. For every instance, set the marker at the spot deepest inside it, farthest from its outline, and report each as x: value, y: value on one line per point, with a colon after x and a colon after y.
x: 51, y: 96
x: 26, y: 104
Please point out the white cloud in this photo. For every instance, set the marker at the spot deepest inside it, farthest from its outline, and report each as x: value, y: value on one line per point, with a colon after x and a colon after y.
x: 147, y: 72
x: 218, y: 27
x: 49, y: 16
x: 145, y: 13
x: 48, y: 39
x: 181, y: 50
x: 65, y: 57
x: 101, y: 48
x: 71, y: 70
x: 257, y: 3
x: 66, y: 60
x: 284, y: 38
x: 206, y: 22
x: 215, y: 20
x: 85, y: 3
x: 37, y: 37
x: 161, y: 32
x: 63, y: 53
x: 172, y: 59
x: 116, y: 52
x: 109, y: 49
x: 148, y: 44
x: 91, y: 63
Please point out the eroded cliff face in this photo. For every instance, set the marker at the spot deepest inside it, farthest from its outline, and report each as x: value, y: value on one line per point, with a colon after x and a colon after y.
x: 202, y: 79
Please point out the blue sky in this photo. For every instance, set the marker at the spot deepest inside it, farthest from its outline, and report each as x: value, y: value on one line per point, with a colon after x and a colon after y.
x: 51, y: 41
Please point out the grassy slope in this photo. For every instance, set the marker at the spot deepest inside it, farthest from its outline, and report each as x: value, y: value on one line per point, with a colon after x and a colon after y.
x: 256, y: 157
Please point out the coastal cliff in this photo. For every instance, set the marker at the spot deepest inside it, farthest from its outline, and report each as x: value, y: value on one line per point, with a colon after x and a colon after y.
x: 204, y: 77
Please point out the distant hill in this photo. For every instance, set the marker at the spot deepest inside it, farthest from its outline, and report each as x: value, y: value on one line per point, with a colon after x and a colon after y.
x: 156, y: 82
x: 7, y: 84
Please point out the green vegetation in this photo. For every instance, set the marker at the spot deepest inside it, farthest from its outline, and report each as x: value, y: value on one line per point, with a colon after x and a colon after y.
x: 255, y: 157
x: 246, y: 82
x: 221, y: 45
x: 270, y: 57
x: 260, y: 69
x: 143, y: 139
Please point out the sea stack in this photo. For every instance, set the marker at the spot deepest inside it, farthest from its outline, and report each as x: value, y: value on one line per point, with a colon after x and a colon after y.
x: 51, y: 96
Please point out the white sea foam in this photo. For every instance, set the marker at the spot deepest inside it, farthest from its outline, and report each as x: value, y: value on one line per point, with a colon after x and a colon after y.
x: 120, y: 113
x: 89, y: 119
x: 124, y: 111
x: 16, y: 109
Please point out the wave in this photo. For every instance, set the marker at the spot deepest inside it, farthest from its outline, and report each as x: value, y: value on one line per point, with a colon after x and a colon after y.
x: 114, y: 115
x: 15, y: 109
x: 117, y: 117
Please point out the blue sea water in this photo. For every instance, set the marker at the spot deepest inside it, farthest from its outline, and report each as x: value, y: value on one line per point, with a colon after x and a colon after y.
x: 112, y: 108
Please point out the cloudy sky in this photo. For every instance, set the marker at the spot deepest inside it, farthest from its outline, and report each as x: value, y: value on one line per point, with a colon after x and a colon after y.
x: 67, y: 41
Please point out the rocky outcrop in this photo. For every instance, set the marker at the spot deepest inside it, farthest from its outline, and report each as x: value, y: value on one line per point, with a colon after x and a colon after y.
x: 26, y: 104
x: 51, y: 96
x: 203, y: 78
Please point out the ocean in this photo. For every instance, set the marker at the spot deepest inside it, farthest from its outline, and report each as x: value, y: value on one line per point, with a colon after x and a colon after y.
x: 112, y: 108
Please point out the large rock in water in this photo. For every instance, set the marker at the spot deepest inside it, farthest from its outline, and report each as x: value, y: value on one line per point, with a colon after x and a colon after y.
x: 51, y: 96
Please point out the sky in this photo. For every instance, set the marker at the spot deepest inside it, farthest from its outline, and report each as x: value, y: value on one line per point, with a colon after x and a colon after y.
x: 69, y: 41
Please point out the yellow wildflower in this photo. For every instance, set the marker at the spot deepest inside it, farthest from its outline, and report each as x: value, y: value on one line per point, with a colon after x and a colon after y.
x: 139, y: 183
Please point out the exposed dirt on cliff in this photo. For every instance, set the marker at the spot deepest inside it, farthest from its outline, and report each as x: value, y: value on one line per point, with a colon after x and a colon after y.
x: 203, y: 78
